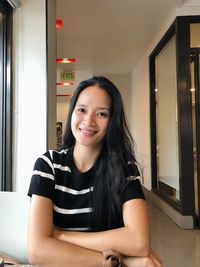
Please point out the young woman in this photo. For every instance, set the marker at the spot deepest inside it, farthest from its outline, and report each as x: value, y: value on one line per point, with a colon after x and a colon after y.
x: 87, y: 206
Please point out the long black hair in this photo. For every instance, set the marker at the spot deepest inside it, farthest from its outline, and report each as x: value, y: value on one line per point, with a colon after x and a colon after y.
x: 115, y: 159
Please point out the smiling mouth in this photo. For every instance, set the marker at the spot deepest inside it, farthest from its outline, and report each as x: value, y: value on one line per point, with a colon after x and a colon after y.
x: 87, y: 132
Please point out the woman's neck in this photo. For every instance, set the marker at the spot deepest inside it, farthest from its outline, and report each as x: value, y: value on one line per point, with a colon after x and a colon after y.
x: 85, y: 157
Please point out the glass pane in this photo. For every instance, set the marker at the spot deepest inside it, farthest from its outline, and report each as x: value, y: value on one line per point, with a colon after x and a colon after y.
x: 195, y: 35
x: 195, y: 90
x: 167, y: 122
x: 193, y: 98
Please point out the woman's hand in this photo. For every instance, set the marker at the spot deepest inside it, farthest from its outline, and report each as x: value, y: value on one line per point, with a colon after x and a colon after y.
x: 112, y: 258
x: 153, y: 260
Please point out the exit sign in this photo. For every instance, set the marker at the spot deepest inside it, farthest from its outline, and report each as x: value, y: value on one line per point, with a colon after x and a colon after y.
x: 67, y: 76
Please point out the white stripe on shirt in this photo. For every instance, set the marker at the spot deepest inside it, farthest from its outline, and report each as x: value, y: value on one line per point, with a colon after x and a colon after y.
x: 72, y: 191
x: 63, y: 151
x: 131, y: 178
x: 43, y: 174
x: 47, y: 160
x: 62, y: 168
x: 72, y: 211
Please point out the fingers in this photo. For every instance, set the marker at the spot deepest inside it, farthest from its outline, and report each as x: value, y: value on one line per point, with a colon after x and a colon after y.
x: 108, y: 253
x: 156, y: 255
x: 155, y: 260
x: 111, y: 258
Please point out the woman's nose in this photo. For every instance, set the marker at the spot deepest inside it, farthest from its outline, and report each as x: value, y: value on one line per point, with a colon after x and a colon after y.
x: 89, y: 119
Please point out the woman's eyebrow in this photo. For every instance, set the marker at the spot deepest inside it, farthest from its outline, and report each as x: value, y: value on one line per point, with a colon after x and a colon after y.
x: 81, y: 105
x: 103, y: 108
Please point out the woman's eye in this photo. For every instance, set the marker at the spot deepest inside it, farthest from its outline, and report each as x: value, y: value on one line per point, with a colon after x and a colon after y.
x: 81, y: 110
x: 102, y: 114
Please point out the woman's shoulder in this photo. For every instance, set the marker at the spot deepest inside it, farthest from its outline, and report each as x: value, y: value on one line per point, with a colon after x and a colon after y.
x: 54, y: 155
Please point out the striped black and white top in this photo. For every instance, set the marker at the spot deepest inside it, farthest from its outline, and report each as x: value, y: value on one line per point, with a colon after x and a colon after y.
x: 55, y: 176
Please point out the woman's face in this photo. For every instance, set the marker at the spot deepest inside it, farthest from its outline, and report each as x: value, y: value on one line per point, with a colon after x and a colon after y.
x: 91, y: 116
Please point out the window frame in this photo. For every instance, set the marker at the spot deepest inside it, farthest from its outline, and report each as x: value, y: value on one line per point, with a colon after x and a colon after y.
x: 6, y: 105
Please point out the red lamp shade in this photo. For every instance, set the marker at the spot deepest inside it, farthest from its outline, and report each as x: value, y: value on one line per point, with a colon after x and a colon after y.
x: 67, y: 95
x: 64, y: 83
x: 59, y: 23
x: 65, y: 60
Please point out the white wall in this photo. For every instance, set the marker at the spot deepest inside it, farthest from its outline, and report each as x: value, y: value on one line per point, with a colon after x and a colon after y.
x: 30, y: 89
x: 140, y: 112
x: 140, y: 124
x: 123, y: 83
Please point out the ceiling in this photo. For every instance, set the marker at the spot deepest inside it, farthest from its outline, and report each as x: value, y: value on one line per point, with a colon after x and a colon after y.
x: 110, y: 36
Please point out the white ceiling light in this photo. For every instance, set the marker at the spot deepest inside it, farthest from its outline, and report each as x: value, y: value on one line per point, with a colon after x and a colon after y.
x: 14, y: 3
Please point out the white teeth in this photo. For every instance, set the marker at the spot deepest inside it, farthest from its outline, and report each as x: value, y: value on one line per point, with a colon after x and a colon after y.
x: 89, y: 132
x: 86, y: 131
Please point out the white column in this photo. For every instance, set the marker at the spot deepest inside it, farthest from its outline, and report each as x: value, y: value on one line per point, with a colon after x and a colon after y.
x: 30, y: 89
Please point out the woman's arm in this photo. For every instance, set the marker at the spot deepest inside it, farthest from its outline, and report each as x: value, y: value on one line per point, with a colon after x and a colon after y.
x: 131, y: 240
x: 112, y: 258
x: 44, y: 250
x: 153, y: 260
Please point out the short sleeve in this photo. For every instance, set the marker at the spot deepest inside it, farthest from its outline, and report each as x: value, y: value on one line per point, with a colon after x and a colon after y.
x: 43, y: 178
x: 133, y: 188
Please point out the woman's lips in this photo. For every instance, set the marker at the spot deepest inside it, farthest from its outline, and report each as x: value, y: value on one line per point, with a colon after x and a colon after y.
x: 87, y: 132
